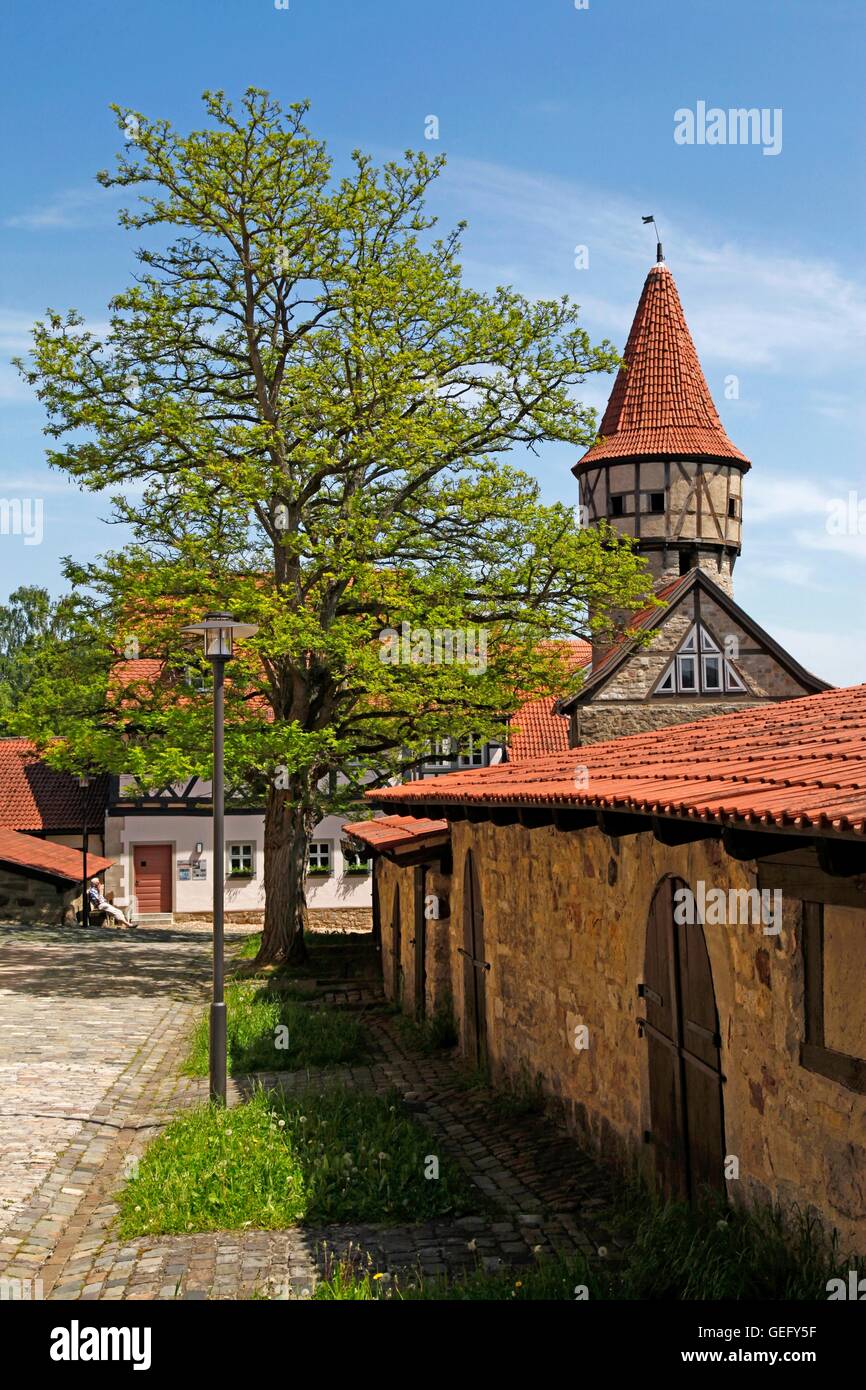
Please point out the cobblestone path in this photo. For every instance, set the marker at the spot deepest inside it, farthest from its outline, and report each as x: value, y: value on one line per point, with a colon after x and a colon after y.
x: 92, y: 1035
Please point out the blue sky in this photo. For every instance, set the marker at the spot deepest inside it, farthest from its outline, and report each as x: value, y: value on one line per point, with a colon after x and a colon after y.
x: 558, y: 124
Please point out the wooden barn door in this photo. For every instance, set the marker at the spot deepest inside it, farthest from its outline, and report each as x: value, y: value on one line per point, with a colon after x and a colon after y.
x: 475, y: 967
x: 682, y: 1030
x: 419, y: 942
x: 396, y: 950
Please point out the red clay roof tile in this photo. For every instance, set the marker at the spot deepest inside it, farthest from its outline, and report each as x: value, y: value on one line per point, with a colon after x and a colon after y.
x: 35, y: 797
x: 59, y: 861
x: 797, y: 763
x: 660, y: 404
x: 393, y: 832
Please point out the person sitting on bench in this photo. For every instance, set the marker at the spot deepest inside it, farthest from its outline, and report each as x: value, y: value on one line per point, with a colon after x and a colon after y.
x: 99, y: 903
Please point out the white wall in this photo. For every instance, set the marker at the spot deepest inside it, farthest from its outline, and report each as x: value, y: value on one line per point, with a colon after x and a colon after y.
x: 196, y: 895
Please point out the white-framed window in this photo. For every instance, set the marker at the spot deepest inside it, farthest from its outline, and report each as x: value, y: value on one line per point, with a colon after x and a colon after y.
x: 241, y: 857
x: 471, y: 752
x: 319, y: 858
x: 441, y: 753
x: 356, y: 862
x: 700, y: 668
x: 198, y: 679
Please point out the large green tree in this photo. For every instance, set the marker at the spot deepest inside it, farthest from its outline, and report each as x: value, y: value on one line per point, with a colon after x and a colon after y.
x: 309, y: 417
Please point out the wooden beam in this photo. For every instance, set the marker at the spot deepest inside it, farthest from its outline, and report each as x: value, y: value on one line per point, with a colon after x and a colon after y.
x: 799, y: 875
x: 574, y: 820
x: 847, y: 1071
x: 534, y: 817
x: 617, y: 823
x: 683, y: 832
x: 840, y: 858
x: 748, y: 844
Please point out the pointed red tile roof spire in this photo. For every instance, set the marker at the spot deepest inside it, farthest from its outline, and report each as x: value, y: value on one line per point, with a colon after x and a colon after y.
x: 660, y: 404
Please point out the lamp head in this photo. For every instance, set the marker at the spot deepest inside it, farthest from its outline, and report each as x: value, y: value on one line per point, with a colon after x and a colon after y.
x: 219, y: 631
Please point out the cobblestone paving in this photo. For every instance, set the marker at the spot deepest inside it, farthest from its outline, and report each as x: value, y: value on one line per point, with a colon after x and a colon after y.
x: 130, y: 1040
x: 87, y: 1020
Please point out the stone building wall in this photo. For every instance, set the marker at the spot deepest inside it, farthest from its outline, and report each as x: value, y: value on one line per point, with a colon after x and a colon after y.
x: 603, y: 720
x: 565, y: 918
x: 317, y: 918
x: 26, y: 899
x: 438, y: 935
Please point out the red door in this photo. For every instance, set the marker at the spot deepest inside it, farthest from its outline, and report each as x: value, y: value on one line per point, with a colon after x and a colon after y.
x: 152, y: 877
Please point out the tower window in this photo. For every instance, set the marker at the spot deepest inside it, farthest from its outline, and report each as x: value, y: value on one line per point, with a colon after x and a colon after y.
x: 732, y: 506
x: 657, y: 502
x: 617, y: 506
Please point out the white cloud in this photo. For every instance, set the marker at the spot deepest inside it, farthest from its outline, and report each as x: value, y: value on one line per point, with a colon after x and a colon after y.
x: 749, y: 306
x: 770, y: 499
x: 73, y: 208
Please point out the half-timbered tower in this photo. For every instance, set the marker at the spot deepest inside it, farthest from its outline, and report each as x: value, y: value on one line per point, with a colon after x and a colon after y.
x: 664, y: 472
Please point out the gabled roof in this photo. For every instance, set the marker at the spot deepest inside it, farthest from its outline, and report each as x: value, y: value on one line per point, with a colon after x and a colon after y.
x: 799, y: 764
x: 57, y: 861
x: 656, y: 617
x: 661, y: 405
x: 35, y: 797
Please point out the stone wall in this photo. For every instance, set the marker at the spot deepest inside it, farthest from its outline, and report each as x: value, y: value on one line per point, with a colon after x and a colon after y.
x: 565, y: 919
x: 607, y: 719
x: 438, y: 937
x: 26, y: 899
x: 317, y: 918
x: 339, y: 919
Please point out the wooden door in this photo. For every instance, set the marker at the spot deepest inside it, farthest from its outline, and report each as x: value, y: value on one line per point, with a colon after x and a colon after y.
x: 419, y: 941
x: 396, y: 950
x: 152, y: 877
x: 682, y: 1030
x: 475, y: 966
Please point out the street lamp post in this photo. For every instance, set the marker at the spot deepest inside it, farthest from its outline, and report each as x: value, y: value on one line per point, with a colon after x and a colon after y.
x: 84, y: 783
x: 218, y: 631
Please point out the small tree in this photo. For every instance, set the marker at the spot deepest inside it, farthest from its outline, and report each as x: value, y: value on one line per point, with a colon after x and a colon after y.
x: 309, y: 415
x: 27, y: 622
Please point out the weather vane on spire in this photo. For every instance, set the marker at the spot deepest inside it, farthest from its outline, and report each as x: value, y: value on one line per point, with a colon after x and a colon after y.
x: 660, y: 255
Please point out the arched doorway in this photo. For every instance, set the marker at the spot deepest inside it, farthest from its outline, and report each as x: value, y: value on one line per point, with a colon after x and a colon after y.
x: 682, y: 1030
x: 475, y: 967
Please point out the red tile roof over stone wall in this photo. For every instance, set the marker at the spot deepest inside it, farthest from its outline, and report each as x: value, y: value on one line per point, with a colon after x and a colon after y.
x: 798, y: 764
x: 35, y: 797
x: 26, y: 851
x: 660, y: 404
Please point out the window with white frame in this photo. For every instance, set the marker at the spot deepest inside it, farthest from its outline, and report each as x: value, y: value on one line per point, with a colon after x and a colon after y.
x: 700, y: 668
x: 441, y: 753
x: 355, y: 861
x: 471, y: 752
x: 241, y: 859
x: 319, y: 858
x: 197, y: 678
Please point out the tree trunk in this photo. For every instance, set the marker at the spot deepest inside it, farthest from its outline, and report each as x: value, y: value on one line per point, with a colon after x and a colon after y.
x: 287, y: 831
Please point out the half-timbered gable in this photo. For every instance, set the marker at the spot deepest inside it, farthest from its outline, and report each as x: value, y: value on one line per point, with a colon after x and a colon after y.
x: 706, y: 657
